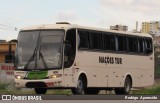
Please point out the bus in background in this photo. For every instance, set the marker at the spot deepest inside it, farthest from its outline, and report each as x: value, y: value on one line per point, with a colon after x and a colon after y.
x: 83, y: 59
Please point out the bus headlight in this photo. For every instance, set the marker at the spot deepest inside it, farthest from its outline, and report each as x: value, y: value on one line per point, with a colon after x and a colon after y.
x: 55, y: 76
x: 18, y: 77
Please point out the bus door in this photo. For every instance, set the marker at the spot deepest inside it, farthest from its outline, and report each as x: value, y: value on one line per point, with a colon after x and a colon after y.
x: 69, y: 57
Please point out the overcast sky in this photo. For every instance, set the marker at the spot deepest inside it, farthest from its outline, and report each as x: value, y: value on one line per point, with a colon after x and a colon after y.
x: 94, y: 13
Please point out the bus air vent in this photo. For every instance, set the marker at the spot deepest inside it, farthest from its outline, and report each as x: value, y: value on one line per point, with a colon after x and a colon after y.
x: 35, y: 84
x: 62, y: 23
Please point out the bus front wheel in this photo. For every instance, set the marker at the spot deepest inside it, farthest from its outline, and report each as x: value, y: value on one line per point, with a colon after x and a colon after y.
x: 80, y: 87
x: 127, y: 87
x: 40, y: 90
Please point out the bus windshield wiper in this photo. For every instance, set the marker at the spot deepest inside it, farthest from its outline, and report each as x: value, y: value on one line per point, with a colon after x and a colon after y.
x: 44, y: 62
x: 32, y: 57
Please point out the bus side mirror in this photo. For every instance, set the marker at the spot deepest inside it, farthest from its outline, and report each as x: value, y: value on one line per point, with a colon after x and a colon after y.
x: 15, y: 58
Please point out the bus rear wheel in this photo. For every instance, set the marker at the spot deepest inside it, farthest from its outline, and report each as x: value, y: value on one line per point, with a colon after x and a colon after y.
x: 40, y: 90
x: 81, y: 85
x: 127, y: 87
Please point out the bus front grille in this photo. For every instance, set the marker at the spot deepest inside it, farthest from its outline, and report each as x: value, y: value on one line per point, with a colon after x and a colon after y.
x: 35, y: 84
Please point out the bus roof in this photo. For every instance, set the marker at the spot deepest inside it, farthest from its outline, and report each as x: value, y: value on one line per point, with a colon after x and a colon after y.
x: 69, y: 26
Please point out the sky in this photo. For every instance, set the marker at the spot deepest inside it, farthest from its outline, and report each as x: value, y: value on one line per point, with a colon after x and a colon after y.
x: 16, y: 14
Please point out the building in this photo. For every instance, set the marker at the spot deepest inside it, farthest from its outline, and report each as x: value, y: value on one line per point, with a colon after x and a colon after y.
x: 136, y: 29
x: 2, y: 41
x: 119, y: 27
x: 152, y: 27
x: 145, y: 27
x: 4, y: 50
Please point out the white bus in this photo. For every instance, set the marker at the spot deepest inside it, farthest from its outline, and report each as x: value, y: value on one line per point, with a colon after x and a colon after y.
x: 83, y: 59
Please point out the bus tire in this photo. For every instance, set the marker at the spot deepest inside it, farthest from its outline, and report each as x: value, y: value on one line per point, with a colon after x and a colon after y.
x: 81, y: 85
x: 127, y: 87
x: 40, y: 90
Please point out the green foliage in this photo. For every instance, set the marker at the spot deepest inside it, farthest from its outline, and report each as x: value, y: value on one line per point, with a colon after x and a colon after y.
x: 53, y: 92
x: 6, y: 91
x: 157, y: 64
x: 3, y: 86
x: 59, y: 92
x: 154, y: 90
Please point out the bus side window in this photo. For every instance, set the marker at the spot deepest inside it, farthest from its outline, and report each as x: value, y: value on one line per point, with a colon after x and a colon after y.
x: 141, y: 45
x: 121, y: 43
x: 94, y: 36
x: 109, y: 41
x: 78, y: 41
x: 148, y: 45
x: 132, y: 44
x: 96, y: 40
x: 85, y: 39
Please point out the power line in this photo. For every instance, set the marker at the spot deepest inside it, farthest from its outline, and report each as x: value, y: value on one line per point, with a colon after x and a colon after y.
x: 13, y: 29
x: 6, y: 27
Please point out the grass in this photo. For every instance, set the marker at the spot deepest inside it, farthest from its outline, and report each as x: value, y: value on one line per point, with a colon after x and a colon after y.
x: 157, y: 70
x: 3, y: 86
x: 153, y: 90
x: 59, y: 92
x: 4, y: 90
x: 55, y: 92
x: 15, y: 92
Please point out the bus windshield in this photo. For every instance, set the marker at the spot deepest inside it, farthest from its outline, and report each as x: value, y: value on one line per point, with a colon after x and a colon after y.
x: 39, y: 50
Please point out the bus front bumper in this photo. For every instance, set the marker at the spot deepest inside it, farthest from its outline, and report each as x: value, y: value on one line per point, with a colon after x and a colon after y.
x: 43, y: 83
